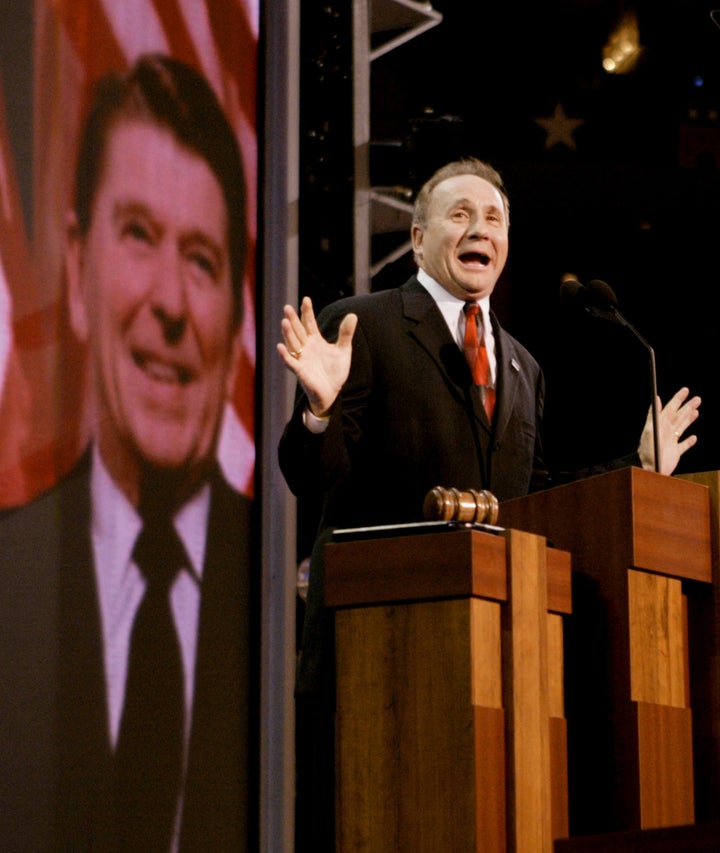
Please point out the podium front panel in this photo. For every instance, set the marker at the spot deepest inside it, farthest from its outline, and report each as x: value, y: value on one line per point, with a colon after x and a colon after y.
x: 450, y: 731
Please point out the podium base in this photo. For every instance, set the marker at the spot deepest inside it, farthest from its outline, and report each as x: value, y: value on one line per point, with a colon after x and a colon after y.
x: 698, y: 838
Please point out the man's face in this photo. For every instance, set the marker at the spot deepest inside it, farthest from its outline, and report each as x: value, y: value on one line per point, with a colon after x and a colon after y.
x: 464, y: 244
x: 150, y: 291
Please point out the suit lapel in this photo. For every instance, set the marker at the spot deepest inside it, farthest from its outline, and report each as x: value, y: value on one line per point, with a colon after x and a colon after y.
x: 84, y: 743
x: 508, y: 373
x: 216, y: 794
x: 427, y: 325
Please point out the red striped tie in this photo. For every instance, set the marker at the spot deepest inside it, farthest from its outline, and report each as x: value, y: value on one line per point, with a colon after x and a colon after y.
x: 477, y: 357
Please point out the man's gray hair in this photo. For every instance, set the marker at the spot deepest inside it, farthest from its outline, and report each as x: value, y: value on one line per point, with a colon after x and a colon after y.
x: 464, y: 166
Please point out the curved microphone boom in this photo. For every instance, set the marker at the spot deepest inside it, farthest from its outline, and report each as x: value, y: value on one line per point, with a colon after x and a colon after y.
x: 599, y: 299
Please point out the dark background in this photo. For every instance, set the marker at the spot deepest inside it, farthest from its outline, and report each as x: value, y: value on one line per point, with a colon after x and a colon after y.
x: 635, y: 203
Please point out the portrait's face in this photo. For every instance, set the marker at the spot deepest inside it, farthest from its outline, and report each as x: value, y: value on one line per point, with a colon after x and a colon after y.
x: 464, y: 244
x: 150, y: 291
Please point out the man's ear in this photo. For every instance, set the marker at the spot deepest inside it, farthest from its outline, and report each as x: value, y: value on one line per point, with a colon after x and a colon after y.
x: 234, y: 365
x: 417, y: 234
x: 77, y: 303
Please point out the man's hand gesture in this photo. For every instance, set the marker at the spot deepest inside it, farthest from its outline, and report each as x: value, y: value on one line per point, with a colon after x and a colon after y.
x: 321, y: 367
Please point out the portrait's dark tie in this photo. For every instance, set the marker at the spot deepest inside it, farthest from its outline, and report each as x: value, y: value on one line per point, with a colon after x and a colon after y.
x: 149, y: 754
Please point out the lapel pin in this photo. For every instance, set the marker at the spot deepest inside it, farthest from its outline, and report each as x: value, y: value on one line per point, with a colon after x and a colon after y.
x: 515, y: 365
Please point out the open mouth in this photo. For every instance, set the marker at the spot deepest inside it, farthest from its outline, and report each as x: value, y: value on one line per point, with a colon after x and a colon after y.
x: 162, y: 371
x: 475, y: 259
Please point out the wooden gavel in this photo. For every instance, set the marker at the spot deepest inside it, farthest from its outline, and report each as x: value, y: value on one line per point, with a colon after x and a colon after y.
x: 443, y: 504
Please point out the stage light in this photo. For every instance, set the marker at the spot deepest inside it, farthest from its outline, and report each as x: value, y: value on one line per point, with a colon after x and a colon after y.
x: 622, y: 49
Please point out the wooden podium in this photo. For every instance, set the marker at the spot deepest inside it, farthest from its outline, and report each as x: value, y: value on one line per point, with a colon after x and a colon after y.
x: 450, y: 729
x: 639, y: 541
x: 705, y: 668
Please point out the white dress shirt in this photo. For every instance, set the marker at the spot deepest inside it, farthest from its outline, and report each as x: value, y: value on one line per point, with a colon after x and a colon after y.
x: 452, y: 310
x: 115, y: 527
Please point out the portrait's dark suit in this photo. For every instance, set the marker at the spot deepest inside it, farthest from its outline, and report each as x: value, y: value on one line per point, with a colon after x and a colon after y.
x: 55, y: 755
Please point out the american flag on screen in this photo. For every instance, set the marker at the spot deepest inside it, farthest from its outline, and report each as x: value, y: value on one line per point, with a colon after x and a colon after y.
x: 15, y: 267
x: 44, y: 421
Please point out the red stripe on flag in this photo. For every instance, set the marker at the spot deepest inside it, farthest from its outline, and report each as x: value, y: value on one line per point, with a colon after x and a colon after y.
x: 237, y: 46
x: 18, y: 291
x: 38, y: 329
x: 91, y: 35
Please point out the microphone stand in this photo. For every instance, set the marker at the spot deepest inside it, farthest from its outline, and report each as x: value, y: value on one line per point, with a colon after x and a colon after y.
x: 653, y: 379
x: 599, y: 300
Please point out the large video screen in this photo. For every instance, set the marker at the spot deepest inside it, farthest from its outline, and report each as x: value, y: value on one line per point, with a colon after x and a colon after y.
x: 128, y: 226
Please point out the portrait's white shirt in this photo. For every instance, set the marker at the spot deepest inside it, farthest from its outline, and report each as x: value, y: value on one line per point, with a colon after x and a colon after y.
x: 115, y: 527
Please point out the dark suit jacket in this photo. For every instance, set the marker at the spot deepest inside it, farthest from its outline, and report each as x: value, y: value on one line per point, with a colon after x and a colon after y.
x: 408, y: 419
x: 55, y: 758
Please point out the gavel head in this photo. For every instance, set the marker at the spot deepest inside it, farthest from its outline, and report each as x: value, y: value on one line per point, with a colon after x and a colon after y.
x: 451, y: 504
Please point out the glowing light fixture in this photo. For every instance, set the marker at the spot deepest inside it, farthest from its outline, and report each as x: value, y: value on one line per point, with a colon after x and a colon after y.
x: 623, y: 48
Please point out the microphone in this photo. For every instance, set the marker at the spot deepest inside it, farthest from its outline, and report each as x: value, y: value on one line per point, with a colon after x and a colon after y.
x: 602, y: 297
x: 599, y: 299
x: 572, y: 292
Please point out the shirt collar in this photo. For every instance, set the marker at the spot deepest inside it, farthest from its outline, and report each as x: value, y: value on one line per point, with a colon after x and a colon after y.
x: 449, y: 304
x: 116, y: 523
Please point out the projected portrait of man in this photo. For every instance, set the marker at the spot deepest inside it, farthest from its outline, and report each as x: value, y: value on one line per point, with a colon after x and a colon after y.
x: 142, y: 633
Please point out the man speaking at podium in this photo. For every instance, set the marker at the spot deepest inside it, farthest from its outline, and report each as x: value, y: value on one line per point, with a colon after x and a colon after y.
x: 406, y: 389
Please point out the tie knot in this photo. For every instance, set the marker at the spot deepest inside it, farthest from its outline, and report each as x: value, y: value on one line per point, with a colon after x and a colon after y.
x: 158, y: 552
x: 472, y: 309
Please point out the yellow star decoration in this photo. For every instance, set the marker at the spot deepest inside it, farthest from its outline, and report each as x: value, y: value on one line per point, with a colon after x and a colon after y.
x: 559, y: 128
